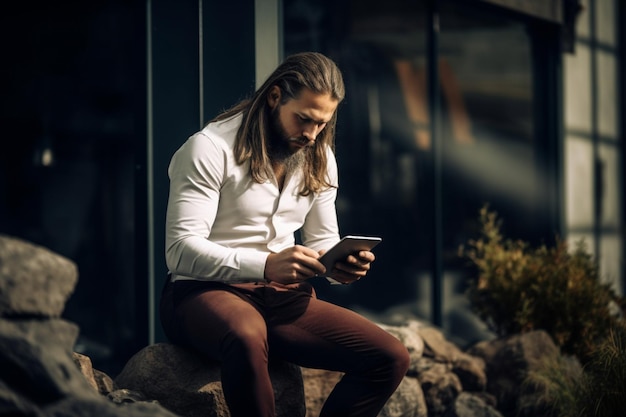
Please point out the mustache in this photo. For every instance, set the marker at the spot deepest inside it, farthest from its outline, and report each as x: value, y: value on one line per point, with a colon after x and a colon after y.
x: 302, y: 140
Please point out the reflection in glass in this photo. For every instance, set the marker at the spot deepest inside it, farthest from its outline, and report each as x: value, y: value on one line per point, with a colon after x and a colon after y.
x: 577, y: 86
x: 609, y: 183
x: 606, y: 111
x: 385, y: 141
x: 579, y: 183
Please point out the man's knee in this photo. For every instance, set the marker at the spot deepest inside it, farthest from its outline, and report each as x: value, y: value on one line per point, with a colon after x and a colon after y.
x: 396, y: 361
x: 246, y: 341
x: 402, y: 360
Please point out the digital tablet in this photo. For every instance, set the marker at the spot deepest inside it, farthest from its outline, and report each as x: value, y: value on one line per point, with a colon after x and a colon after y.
x: 346, y: 246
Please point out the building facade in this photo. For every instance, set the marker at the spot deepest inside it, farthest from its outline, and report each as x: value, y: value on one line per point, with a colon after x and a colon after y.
x: 451, y: 105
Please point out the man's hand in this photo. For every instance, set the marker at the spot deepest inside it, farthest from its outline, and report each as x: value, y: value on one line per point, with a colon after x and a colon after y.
x: 294, y: 264
x: 353, y: 268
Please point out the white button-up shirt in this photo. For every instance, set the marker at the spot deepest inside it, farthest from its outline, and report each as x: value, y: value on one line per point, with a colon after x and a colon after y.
x: 221, y: 225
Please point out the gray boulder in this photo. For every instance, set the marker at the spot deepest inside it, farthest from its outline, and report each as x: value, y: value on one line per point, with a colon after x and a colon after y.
x: 470, y: 405
x: 470, y: 369
x: 440, y: 387
x: 39, y: 377
x: 318, y: 383
x: 97, y: 379
x: 34, y: 281
x: 38, y: 374
x: 188, y: 384
x: 409, y: 334
x: 509, y: 360
x: 407, y: 401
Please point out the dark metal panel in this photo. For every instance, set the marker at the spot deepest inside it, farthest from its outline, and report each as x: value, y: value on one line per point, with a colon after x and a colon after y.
x: 228, y: 54
x: 548, y: 128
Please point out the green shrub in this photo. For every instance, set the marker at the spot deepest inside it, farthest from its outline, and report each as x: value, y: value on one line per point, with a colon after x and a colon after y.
x: 605, y: 382
x: 560, y: 386
x: 518, y: 289
x: 598, y: 391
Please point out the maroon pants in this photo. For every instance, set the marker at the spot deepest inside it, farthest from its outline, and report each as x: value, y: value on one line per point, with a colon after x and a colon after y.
x: 242, y: 325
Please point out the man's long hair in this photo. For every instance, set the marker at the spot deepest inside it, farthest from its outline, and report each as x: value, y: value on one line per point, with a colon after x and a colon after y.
x: 310, y: 70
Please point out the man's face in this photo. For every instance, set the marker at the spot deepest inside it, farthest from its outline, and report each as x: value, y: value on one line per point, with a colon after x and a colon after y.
x: 296, y: 123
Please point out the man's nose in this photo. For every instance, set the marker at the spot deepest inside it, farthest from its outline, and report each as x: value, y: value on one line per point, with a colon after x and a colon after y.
x: 311, y: 132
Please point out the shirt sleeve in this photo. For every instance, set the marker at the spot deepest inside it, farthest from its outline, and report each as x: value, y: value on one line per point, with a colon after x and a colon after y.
x: 320, y: 230
x: 196, y: 172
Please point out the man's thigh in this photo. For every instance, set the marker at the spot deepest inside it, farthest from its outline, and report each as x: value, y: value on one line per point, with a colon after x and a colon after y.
x: 208, y: 317
x: 330, y: 337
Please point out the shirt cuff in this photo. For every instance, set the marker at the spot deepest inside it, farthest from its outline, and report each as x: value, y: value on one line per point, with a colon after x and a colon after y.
x: 253, y: 265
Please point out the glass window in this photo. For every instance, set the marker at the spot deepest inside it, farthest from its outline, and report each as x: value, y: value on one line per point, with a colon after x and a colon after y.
x: 486, y: 80
x: 582, y: 23
x: 610, y: 261
x: 579, y: 183
x: 606, y: 19
x: 587, y: 238
x: 577, y: 94
x: 593, y: 154
x: 609, y: 174
x: 490, y: 152
x: 607, y: 94
x: 72, y: 81
x: 383, y: 133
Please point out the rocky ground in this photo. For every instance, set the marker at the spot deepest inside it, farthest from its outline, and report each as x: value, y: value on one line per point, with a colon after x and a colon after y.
x: 42, y: 375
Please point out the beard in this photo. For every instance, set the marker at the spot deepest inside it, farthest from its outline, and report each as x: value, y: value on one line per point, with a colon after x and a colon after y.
x: 278, y: 145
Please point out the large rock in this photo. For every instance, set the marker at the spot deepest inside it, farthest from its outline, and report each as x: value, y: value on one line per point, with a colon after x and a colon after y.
x: 38, y: 374
x: 318, y: 383
x: 36, y: 358
x: 34, y: 281
x: 188, y: 384
x: 509, y: 360
x: 407, y: 401
x: 470, y: 370
x: 440, y: 386
x: 102, y: 407
x: 437, y: 347
x: 409, y: 334
x: 469, y: 405
x: 98, y: 380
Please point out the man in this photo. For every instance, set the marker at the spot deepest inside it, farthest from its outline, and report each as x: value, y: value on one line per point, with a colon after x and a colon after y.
x: 238, y: 291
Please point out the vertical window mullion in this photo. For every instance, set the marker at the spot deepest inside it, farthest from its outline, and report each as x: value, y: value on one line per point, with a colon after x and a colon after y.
x: 435, y: 120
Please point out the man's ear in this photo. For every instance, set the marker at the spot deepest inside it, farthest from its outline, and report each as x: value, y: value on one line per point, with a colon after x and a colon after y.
x: 273, y: 97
